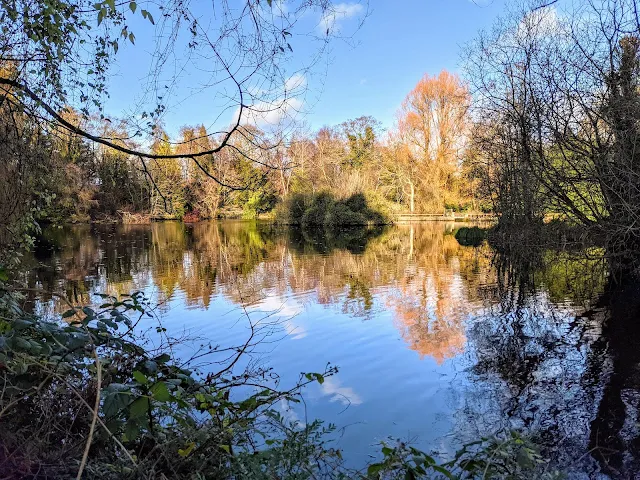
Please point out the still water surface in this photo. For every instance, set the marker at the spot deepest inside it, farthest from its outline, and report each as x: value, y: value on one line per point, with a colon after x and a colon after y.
x: 436, y: 342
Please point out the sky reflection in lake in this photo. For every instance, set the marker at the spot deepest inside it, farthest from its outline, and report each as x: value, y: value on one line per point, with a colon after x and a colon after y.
x: 436, y: 342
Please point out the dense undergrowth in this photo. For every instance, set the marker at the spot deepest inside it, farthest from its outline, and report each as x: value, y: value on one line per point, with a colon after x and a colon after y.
x: 86, y: 395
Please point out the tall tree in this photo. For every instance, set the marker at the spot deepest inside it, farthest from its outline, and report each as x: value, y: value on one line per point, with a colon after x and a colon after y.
x: 432, y: 125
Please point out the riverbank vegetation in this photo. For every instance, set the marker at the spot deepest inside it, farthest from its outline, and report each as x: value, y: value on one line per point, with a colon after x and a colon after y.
x: 532, y: 131
x: 408, y: 170
x: 556, y: 119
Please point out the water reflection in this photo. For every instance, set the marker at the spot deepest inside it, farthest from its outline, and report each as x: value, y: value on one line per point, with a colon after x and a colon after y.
x: 447, y: 341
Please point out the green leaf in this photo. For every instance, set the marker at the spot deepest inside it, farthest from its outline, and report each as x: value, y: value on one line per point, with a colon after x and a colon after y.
x: 184, y: 452
x: 226, y: 448
x: 101, y: 13
x: 22, y: 343
x: 164, y: 358
x: 132, y: 38
x: 133, y: 6
x: 269, y: 2
x: 160, y: 392
x: 69, y: 313
x: 147, y: 15
x: 374, y: 469
x: 317, y: 376
x: 139, y: 377
x: 132, y: 430
x: 21, y: 324
x: 4, y: 276
x: 151, y: 366
x: 139, y: 407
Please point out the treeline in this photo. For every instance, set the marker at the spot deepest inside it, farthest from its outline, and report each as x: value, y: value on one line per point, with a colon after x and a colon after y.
x: 419, y: 166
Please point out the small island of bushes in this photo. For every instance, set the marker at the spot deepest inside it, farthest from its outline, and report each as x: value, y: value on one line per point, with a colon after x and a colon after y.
x: 324, y: 209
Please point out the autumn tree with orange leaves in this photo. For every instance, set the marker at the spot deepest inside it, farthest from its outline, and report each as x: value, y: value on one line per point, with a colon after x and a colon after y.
x: 426, y: 149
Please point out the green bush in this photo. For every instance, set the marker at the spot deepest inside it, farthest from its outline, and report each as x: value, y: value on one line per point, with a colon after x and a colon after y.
x: 296, y: 206
x: 341, y: 215
x: 471, y: 236
x: 356, y: 202
x: 323, y: 209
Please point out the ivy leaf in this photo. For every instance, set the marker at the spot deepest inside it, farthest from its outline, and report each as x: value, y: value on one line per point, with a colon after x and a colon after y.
x: 160, y: 392
x: 139, y: 377
x: 139, y: 407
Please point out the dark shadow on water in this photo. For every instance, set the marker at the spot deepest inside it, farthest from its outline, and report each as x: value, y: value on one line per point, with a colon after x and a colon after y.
x: 323, y: 241
x: 471, y: 236
x: 615, y: 431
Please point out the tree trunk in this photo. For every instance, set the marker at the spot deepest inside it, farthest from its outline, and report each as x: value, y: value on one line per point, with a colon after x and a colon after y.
x: 412, y: 197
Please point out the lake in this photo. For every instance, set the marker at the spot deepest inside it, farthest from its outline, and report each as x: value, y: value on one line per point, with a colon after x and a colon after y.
x: 436, y: 342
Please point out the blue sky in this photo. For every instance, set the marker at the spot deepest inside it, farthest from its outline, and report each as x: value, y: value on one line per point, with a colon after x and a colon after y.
x: 370, y: 75
x: 399, y: 42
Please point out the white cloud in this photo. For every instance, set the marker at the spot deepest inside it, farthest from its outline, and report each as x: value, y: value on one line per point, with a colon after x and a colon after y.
x: 335, y: 14
x: 539, y: 22
x: 283, y: 108
x: 264, y: 114
x: 345, y: 395
x: 286, y: 310
x: 295, y: 83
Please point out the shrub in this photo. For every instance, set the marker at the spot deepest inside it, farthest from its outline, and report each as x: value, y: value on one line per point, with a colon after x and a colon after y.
x: 296, y: 206
x: 357, y: 202
x: 471, y: 236
x: 157, y: 418
x: 341, y: 215
x: 323, y: 209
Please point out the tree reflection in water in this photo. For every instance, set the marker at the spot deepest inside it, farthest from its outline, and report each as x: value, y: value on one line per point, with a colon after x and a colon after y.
x: 552, y: 349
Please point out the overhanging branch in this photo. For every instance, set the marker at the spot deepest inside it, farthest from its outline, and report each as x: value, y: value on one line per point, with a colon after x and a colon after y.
x: 129, y: 151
